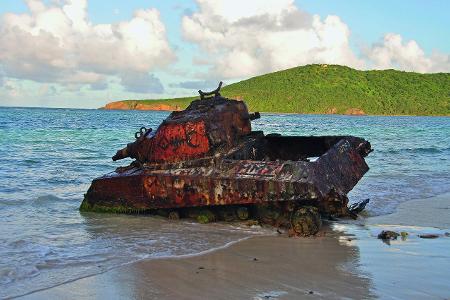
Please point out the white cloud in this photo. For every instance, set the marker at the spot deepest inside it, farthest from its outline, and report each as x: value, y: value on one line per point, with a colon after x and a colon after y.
x: 99, y: 86
x: 58, y: 44
x: 247, y: 38
x: 142, y: 83
x: 192, y: 85
x: 405, y: 55
x: 263, y: 36
x: 55, y: 43
x: 12, y: 88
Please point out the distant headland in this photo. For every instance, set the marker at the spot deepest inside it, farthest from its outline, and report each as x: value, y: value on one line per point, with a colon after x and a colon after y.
x: 328, y: 89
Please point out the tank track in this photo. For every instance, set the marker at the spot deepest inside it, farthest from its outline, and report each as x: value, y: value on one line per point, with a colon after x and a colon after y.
x: 297, y: 219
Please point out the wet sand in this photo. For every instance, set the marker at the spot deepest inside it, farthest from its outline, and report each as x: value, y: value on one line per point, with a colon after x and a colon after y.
x: 347, y: 262
x: 432, y: 212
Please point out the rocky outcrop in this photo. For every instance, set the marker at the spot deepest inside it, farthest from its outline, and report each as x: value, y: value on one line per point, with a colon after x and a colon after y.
x: 157, y: 107
x: 331, y: 111
x: 121, y: 105
x: 355, y: 112
x: 135, y: 105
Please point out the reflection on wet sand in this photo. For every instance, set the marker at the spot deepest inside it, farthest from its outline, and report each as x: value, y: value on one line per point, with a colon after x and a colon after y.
x: 348, y: 262
x: 259, y: 268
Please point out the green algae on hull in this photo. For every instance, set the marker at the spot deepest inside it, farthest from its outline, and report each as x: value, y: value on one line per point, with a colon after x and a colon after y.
x: 116, y: 209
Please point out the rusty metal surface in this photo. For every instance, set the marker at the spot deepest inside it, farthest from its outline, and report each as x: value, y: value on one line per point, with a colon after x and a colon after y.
x: 325, y: 180
x: 204, y: 128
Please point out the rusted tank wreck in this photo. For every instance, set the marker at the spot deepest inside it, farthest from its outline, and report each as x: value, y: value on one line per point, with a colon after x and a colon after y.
x: 206, y: 162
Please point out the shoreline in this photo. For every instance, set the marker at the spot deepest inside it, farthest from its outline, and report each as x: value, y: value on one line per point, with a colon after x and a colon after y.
x: 264, y: 112
x: 429, y: 212
x: 346, y: 260
x: 240, y: 271
x: 277, y: 113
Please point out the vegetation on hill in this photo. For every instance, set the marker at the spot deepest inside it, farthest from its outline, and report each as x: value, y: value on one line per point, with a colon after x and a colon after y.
x: 320, y: 89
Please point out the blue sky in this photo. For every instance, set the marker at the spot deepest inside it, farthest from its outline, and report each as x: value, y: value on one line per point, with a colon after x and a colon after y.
x: 172, y: 48
x: 427, y: 22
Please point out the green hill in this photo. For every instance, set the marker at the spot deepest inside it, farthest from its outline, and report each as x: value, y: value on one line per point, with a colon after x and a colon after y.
x: 320, y: 89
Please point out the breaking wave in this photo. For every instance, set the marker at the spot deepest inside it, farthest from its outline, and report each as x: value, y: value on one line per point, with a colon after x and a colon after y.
x: 419, y: 150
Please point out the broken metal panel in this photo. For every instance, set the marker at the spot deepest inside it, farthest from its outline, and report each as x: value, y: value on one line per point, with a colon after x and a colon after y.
x: 341, y: 167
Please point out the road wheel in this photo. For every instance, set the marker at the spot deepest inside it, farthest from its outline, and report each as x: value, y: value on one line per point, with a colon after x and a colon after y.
x: 173, y: 215
x: 227, y: 214
x: 206, y: 216
x: 305, y: 221
x: 267, y: 214
x: 242, y: 213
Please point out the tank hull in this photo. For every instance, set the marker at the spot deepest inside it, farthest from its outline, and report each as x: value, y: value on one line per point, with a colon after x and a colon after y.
x: 323, y: 182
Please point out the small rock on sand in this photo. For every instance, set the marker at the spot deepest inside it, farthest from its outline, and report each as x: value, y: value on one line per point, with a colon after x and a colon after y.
x: 428, y: 236
x: 388, y: 235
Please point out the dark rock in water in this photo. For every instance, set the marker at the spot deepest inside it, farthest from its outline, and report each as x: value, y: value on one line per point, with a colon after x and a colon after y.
x: 428, y: 236
x: 358, y: 207
x: 388, y: 235
x: 447, y: 234
x: 404, y: 235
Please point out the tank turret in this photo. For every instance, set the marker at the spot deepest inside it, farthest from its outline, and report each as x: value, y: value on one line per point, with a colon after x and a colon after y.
x: 207, y: 126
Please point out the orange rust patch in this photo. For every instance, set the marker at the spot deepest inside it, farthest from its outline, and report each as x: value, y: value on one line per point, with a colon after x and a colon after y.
x: 175, y: 142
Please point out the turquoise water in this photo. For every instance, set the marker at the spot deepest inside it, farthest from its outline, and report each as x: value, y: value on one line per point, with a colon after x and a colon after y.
x: 49, y: 157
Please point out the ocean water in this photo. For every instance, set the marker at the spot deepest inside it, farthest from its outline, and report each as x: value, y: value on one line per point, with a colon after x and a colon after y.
x: 50, y: 156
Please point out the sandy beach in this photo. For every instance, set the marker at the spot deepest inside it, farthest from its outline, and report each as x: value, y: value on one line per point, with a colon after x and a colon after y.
x: 345, y: 261
x: 257, y: 268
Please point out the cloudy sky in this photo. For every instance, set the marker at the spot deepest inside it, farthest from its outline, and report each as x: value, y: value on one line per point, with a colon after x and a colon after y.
x: 84, y: 53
